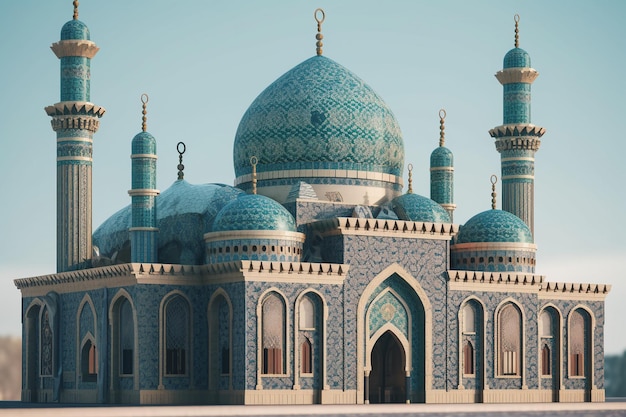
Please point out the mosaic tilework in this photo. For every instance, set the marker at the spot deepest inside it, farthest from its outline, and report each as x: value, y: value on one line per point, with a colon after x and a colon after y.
x: 75, y: 78
x: 75, y: 29
x: 319, y: 112
x: 516, y: 58
x: 417, y: 208
x: 388, y: 309
x: 253, y: 212
x: 494, y: 226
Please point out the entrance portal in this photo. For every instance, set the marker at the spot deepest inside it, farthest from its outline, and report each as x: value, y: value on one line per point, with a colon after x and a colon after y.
x: 388, y: 378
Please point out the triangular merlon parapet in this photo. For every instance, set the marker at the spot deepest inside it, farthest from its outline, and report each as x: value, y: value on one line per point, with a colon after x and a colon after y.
x: 517, y: 129
x: 67, y: 108
x: 387, y: 227
x: 574, y: 290
x: 494, y: 281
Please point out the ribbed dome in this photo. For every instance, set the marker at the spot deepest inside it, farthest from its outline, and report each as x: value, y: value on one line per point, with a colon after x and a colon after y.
x: 254, y: 212
x: 516, y: 58
x: 184, y: 213
x: 441, y: 157
x: 143, y: 143
x: 76, y: 30
x: 319, y: 115
x: 494, y: 226
x: 417, y: 208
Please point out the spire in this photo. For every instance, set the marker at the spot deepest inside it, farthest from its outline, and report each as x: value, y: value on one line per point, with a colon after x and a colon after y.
x: 410, y: 168
x: 181, y: 148
x: 319, y: 35
x: 76, y: 9
x: 254, y: 160
x: 516, y: 18
x: 442, y: 127
x: 494, y: 180
x: 144, y: 101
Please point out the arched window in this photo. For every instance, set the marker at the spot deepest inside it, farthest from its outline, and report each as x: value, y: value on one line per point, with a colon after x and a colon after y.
x: 545, y: 324
x: 88, y: 362
x: 176, y: 335
x: 307, y: 314
x: 545, y: 361
x: 127, y: 338
x: 469, y: 319
x: 468, y: 358
x: 306, y: 361
x: 577, y: 344
x: 273, y: 334
x: 46, y: 344
x: 509, y: 338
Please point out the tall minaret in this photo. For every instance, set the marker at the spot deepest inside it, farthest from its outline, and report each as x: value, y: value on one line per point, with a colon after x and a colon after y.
x: 442, y: 171
x: 517, y: 139
x: 75, y: 119
x: 143, y: 230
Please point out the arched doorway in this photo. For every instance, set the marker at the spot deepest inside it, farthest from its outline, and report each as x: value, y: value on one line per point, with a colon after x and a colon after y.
x: 32, y: 330
x: 387, y: 381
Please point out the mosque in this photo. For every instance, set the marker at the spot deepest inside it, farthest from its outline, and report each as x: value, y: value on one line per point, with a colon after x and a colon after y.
x: 313, y: 279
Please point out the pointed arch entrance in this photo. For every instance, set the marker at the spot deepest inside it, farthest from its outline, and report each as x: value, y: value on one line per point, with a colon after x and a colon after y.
x: 387, y: 380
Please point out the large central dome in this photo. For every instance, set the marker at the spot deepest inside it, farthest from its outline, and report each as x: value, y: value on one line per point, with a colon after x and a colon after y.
x: 321, y: 124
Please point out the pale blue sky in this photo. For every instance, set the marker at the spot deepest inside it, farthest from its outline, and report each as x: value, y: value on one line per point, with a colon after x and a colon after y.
x: 202, y: 64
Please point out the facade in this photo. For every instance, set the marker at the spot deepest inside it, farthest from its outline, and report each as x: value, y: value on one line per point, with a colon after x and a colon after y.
x: 313, y: 279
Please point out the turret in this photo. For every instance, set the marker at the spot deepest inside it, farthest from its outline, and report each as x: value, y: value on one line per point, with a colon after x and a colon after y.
x: 143, y: 230
x: 74, y: 119
x: 517, y: 139
x: 442, y: 172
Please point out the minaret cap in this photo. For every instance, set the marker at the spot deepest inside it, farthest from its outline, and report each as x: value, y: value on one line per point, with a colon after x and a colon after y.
x: 144, y: 102
x: 516, y: 18
x: 254, y: 161
x: 181, y: 148
x: 410, y: 168
x: 319, y: 16
x: 76, y: 9
x: 494, y: 180
x: 442, y: 127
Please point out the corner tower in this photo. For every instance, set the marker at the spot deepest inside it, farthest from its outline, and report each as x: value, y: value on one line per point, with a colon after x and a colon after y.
x: 517, y: 139
x: 75, y: 119
x: 143, y: 231
x: 442, y: 171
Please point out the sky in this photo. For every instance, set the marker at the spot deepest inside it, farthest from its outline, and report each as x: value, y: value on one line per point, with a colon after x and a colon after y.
x: 202, y: 63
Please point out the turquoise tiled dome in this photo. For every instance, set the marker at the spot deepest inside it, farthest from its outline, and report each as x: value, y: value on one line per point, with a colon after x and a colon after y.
x: 516, y: 58
x: 494, y: 226
x: 76, y: 30
x: 441, y: 157
x: 143, y: 143
x: 254, y: 212
x: 319, y: 115
x: 184, y: 213
x: 417, y: 208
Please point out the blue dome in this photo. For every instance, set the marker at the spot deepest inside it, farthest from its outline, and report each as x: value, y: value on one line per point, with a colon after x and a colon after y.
x: 144, y: 143
x: 516, y: 58
x: 254, y: 212
x: 494, y: 226
x: 319, y: 115
x: 75, y: 30
x: 184, y: 213
x: 441, y: 157
x: 417, y: 208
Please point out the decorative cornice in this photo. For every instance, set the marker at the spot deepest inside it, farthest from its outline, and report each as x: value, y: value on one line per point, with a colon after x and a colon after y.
x: 485, y: 246
x: 143, y: 192
x: 387, y: 228
x: 494, y: 281
x: 569, y: 290
x: 90, y: 123
x: 320, y: 173
x: 517, y: 75
x: 74, y: 47
x: 65, y: 108
x: 516, y: 130
x: 528, y: 143
x: 254, y: 234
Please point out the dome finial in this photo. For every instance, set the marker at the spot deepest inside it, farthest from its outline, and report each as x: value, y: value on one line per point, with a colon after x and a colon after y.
x: 253, y: 161
x: 516, y: 18
x: 410, y: 168
x: 319, y: 35
x: 75, y: 9
x: 442, y: 127
x: 181, y: 148
x: 494, y: 180
x: 144, y: 101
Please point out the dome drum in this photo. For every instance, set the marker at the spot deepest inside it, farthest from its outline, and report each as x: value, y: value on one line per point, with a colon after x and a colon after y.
x: 494, y: 257
x: 275, y: 246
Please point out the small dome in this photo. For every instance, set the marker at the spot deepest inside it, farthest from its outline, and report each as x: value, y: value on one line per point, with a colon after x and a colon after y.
x: 417, y: 208
x: 494, y: 226
x: 441, y: 157
x: 516, y: 58
x: 75, y: 30
x: 254, y: 212
x: 144, y: 143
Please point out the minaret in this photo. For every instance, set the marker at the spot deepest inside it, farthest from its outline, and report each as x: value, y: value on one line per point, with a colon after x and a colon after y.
x: 75, y: 119
x: 143, y: 231
x: 517, y: 139
x: 442, y: 171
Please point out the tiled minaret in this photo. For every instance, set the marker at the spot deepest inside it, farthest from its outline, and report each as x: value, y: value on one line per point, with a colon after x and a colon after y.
x: 442, y: 171
x: 75, y: 119
x: 143, y: 230
x: 517, y: 139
